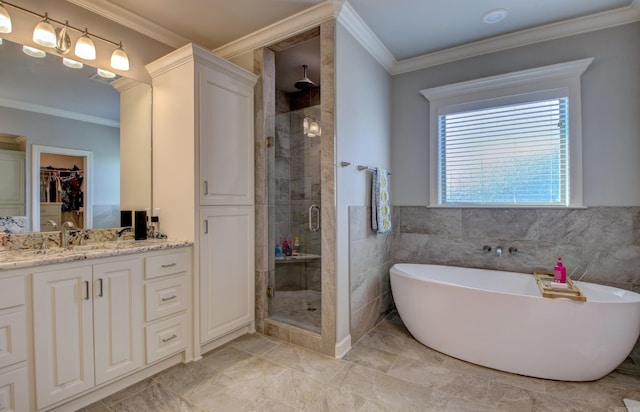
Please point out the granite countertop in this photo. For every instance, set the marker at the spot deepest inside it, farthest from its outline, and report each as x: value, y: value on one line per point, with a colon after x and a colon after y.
x: 24, y: 258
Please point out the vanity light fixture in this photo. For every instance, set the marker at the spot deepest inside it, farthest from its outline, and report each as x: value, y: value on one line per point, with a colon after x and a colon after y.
x: 33, y: 52
x: 106, y: 74
x: 45, y: 34
x: 72, y: 63
x: 119, y: 59
x: 5, y: 20
x: 85, y: 49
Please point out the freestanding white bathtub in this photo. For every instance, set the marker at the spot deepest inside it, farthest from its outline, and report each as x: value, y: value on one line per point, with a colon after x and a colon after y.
x: 500, y: 320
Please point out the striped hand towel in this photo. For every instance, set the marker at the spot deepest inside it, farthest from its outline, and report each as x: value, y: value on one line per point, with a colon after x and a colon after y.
x: 380, y: 205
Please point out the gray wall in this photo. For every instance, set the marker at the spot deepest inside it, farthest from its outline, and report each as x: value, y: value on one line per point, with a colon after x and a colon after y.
x: 610, y: 104
x: 363, y: 136
x: 103, y: 141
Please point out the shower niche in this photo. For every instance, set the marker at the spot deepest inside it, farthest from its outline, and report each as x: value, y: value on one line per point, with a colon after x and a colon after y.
x: 295, y: 179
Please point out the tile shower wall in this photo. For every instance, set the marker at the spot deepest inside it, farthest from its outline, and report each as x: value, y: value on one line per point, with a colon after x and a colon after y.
x: 370, y: 258
x: 601, y: 243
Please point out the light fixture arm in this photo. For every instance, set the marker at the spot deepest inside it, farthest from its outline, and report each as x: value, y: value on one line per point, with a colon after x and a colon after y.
x: 66, y: 23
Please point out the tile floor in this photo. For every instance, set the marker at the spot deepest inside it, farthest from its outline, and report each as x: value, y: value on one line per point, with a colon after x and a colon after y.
x: 387, y: 370
x: 299, y: 308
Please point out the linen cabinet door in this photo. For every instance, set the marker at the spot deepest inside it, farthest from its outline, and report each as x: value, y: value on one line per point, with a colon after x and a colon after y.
x: 118, y: 318
x: 227, y: 270
x: 226, y: 140
x: 63, y: 333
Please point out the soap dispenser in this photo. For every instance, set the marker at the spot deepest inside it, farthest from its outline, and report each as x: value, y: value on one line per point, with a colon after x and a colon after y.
x: 560, y: 272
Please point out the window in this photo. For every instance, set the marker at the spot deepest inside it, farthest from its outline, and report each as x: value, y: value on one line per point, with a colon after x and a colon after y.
x: 509, y: 140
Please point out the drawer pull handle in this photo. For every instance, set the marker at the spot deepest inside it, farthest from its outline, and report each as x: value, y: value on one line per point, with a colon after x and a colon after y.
x: 169, y: 298
x: 170, y: 338
x: 169, y: 265
x: 86, y: 290
x: 100, y: 294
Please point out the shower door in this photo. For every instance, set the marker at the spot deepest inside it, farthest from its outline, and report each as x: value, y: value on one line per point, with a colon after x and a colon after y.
x: 295, y: 284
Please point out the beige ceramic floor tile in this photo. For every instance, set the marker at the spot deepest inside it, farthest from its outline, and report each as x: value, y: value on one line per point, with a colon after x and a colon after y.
x: 590, y: 393
x: 392, y: 326
x: 370, y: 357
x: 310, y: 363
x: 253, y: 372
x: 155, y: 398
x: 127, y: 392
x: 402, y: 345
x: 95, y: 407
x: 254, y: 343
x: 308, y: 394
x: 219, y: 360
x: 387, y: 390
x: 185, y: 379
x: 423, y: 373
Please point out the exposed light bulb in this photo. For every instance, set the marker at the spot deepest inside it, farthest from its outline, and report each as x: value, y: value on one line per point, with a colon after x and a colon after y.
x: 5, y: 20
x: 119, y: 59
x: 72, y: 63
x: 0, y: 41
x: 44, y: 34
x: 33, y: 52
x: 85, y: 48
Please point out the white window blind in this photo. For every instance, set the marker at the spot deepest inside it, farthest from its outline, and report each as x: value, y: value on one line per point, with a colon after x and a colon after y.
x: 513, y: 154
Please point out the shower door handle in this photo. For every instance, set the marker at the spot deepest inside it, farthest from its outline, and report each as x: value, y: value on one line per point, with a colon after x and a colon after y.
x: 312, y: 227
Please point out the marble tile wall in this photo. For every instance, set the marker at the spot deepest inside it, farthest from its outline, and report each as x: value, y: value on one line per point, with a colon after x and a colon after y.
x: 105, y: 216
x: 14, y: 224
x: 370, y: 258
x: 601, y: 243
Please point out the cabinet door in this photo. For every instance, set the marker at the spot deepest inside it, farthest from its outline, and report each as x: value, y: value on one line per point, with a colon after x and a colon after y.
x: 117, y: 316
x: 226, y: 140
x: 227, y: 270
x: 63, y: 333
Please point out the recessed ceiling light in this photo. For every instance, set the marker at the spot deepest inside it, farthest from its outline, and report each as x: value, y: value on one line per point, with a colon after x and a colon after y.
x: 494, y: 16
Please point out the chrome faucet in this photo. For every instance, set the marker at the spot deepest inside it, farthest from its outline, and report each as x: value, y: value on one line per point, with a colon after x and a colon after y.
x: 499, y: 250
x: 64, y: 234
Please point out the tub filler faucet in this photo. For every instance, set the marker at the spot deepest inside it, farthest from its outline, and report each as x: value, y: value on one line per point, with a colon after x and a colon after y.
x: 499, y: 250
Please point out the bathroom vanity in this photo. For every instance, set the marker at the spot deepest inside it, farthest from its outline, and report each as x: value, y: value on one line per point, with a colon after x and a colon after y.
x: 80, y: 324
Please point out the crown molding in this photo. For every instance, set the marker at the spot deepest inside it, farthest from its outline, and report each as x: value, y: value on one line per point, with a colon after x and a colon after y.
x: 53, y: 111
x: 612, y: 18
x: 281, y: 30
x: 133, y: 21
x: 350, y: 19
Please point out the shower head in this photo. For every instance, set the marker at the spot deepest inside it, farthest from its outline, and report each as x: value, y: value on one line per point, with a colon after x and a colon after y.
x: 305, y: 83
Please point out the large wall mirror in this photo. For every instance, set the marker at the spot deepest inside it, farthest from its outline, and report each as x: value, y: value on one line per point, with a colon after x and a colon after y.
x: 52, y: 109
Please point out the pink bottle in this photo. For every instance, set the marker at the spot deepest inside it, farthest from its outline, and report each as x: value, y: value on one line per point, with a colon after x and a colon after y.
x: 560, y: 272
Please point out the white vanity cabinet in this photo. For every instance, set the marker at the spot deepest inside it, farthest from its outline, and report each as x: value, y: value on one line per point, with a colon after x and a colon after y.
x: 98, y: 325
x: 14, y: 390
x: 87, y: 326
x: 203, y: 181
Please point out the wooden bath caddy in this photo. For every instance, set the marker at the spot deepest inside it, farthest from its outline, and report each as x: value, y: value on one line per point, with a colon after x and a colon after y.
x: 545, y: 278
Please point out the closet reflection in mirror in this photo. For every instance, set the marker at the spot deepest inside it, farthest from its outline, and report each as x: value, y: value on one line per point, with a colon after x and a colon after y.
x: 63, y: 187
x: 49, y: 104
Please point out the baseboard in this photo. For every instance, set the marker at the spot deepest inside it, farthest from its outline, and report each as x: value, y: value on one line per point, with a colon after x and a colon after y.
x: 343, y: 346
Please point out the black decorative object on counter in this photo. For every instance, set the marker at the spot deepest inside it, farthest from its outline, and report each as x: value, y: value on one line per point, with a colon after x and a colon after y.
x: 125, y: 218
x: 140, y: 232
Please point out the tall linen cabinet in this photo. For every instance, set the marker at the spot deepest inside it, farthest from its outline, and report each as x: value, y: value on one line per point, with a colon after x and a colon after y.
x: 203, y: 183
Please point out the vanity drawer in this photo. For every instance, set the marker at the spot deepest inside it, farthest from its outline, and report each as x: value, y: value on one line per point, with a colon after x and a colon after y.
x: 165, y: 297
x: 11, y: 292
x: 167, y: 264
x: 13, y: 338
x: 166, y: 337
x: 14, y: 392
